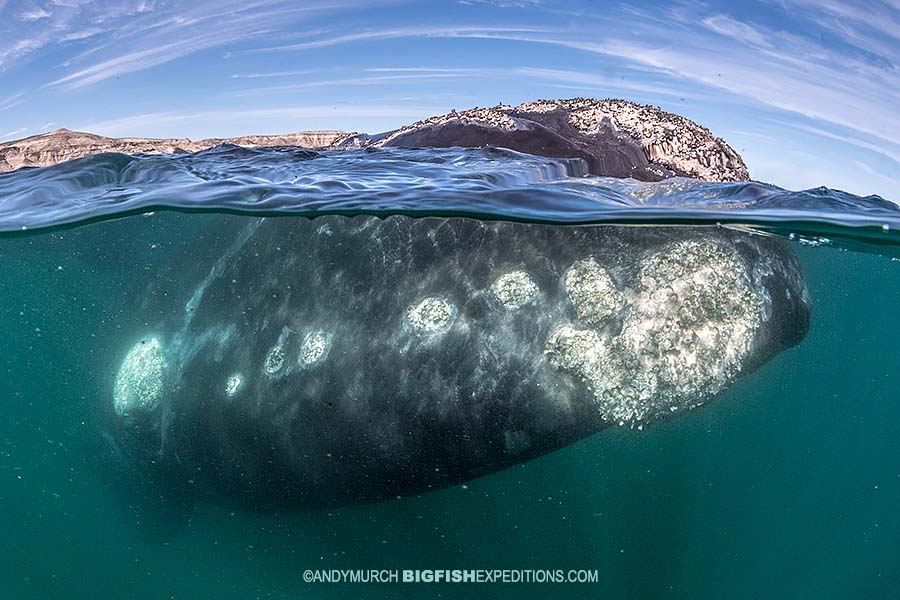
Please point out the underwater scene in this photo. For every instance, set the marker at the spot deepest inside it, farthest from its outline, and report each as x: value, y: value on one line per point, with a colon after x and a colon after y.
x: 225, y: 369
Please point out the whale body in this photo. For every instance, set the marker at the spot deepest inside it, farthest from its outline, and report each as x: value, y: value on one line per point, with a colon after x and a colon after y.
x: 344, y: 360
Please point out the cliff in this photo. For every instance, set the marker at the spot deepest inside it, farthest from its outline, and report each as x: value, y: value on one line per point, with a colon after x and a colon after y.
x: 62, y: 145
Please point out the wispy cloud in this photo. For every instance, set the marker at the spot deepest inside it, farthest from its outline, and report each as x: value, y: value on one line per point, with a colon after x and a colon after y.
x: 890, y: 151
x: 274, y: 74
x: 136, y: 123
x: 13, y: 134
x: 147, y: 41
x: 138, y: 34
x: 461, y: 70
x: 12, y: 100
x: 504, y: 3
x: 742, y: 32
x: 399, y: 32
x: 350, y: 81
x: 33, y: 15
x: 604, y: 84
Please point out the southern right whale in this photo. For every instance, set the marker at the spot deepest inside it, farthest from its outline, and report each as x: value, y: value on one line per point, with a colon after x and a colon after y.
x: 346, y: 360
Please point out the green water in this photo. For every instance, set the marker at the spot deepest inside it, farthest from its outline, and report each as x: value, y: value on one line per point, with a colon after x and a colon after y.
x: 786, y: 487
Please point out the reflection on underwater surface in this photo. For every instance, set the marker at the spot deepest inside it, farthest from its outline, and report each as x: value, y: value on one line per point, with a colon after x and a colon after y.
x: 786, y: 485
x: 487, y: 183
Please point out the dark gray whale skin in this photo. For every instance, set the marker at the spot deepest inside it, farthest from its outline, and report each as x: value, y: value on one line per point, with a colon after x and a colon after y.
x: 394, y: 410
x: 547, y: 135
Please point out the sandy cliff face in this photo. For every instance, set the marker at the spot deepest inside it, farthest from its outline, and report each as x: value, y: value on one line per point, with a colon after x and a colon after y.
x: 62, y: 145
x: 615, y: 137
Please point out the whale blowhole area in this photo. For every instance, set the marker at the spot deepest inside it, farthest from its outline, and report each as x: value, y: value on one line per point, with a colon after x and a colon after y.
x: 514, y: 290
x: 139, y: 382
x: 431, y: 315
x: 689, y: 323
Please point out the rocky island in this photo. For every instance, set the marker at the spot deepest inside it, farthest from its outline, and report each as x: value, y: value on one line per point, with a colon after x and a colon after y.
x: 616, y: 138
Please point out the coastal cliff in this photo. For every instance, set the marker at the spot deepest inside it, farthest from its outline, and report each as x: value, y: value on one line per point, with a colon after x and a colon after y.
x: 62, y: 145
x: 616, y: 138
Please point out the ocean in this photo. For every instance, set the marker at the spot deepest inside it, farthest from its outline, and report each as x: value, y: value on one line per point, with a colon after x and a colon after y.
x: 787, y: 485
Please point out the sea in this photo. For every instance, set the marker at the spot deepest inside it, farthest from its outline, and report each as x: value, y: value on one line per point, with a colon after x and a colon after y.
x: 786, y: 486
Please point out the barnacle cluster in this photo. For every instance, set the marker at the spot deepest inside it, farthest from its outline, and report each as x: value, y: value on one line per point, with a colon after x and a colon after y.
x: 689, y: 324
x: 514, y: 289
x: 431, y: 315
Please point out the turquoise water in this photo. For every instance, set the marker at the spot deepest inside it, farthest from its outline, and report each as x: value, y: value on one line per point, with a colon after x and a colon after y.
x: 787, y: 486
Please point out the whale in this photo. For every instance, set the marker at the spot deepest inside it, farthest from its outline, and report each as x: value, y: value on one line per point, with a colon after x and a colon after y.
x: 346, y: 360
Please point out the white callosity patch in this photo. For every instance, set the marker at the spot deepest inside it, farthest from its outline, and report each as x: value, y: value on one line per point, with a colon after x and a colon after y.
x: 691, y: 323
x: 274, y: 360
x: 233, y: 385
x: 139, y: 383
x: 593, y: 292
x: 585, y: 352
x: 514, y: 290
x: 431, y: 315
x: 694, y: 317
x: 314, y: 349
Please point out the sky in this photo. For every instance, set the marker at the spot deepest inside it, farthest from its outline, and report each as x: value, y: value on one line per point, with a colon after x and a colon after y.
x: 807, y: 91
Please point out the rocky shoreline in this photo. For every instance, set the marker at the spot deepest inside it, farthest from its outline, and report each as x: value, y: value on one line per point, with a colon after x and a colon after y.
x: 616, y: 138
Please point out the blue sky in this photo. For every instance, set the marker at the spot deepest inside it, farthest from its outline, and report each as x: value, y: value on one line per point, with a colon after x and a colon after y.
x: 806, y: 90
